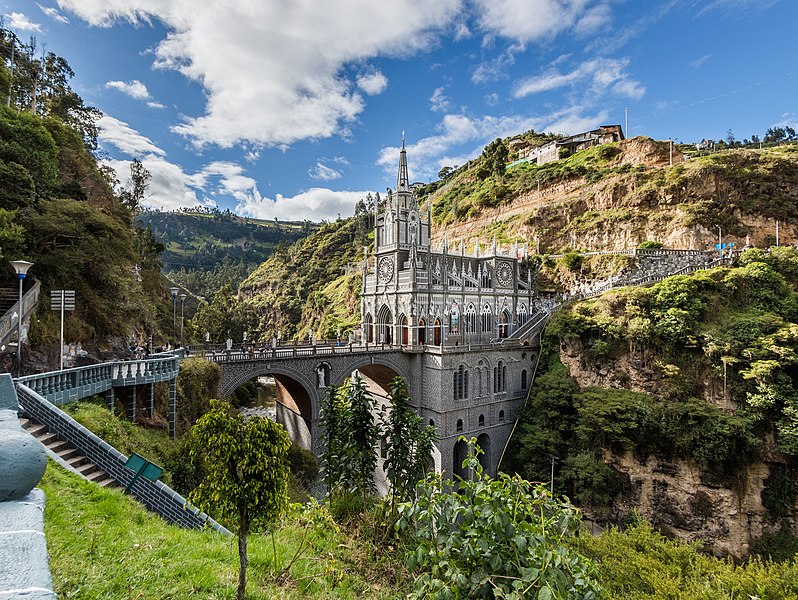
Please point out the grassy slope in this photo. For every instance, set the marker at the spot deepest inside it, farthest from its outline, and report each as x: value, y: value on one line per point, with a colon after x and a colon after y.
x: 103, y: 544
x: 302, y: 287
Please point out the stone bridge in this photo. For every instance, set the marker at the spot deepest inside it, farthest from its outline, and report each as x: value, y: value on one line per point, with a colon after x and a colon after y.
x: 303, y: 373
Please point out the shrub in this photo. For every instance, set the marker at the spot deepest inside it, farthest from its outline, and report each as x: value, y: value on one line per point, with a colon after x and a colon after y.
x: 494, y: 538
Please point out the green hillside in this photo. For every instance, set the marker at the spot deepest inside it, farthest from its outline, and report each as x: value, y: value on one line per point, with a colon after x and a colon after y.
x: 205, y: 249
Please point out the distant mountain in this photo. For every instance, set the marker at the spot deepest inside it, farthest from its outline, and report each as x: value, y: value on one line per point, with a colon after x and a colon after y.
x: 206, y: 249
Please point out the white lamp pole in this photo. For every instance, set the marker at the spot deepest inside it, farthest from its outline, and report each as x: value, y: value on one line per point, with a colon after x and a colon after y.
x: 21, y: 268
x: 173, y: 291
x: 182, y: 308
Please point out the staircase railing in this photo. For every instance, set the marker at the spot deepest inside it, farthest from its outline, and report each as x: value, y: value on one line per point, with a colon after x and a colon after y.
x: 8, y: 324
x: 155, y: 495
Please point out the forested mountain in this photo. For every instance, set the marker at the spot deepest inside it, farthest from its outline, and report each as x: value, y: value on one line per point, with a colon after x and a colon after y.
x: 206, y: 249
x: 59, y: 209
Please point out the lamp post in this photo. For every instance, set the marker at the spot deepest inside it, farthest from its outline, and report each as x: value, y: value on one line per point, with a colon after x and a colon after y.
x: 182, y: 308
x: 21, y: 268
x: 720, y: 240
x: 173, y: 291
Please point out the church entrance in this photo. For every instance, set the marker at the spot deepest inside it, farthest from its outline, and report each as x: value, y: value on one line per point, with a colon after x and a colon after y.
x: 385, y: 326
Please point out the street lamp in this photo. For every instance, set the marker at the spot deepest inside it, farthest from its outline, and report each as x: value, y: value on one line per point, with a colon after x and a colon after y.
x: 173, y: 291
x: 720, y: 240
x: 182, y: 308
x: 21, y: 268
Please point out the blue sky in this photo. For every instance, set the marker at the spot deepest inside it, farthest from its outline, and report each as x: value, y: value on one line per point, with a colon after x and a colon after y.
x: 295, y: 108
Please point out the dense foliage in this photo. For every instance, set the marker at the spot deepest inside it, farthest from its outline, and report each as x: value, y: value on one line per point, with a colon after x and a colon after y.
x: 494, y: 538
x: 730, y: 334
x: 207, y: 249
x: 313, y: 285
x: 59, y: 209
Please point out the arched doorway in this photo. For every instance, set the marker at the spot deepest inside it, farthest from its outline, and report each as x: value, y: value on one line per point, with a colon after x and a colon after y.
x: 485, y: 459
x: 422, y: 331
x: 405, y: 330
x: 504, y: 324
x: 368, y: 328
x: 436, y: 333
x: 459, y: 454
x: 385, y: 326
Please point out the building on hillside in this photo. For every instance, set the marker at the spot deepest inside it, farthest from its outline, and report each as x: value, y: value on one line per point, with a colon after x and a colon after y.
x: 463, y: 314
x: 606, y: 134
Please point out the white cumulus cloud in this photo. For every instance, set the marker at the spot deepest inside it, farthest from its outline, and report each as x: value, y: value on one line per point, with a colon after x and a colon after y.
x: 535, y: 20
x: 438, y: 101
x: 313, y: 204
x: 372, y: 83
x: 134, y: 89
x: 21, y: 22
x: 595, y: 75
x: 276, y: 72
x: 323, y: 173
x: 53, y: 13
x: 126, y: 139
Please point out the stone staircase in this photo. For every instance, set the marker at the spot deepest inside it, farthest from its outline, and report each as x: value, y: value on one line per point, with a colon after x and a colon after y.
x: 76, y: 460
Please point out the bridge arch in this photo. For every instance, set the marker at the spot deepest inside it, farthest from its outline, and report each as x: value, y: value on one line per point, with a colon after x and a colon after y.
x: 297, y: 405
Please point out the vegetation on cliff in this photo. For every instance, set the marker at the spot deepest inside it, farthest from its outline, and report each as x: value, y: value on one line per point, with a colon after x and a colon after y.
x: 313, y: 284
x: 59, y: 209
x: 708, y: 362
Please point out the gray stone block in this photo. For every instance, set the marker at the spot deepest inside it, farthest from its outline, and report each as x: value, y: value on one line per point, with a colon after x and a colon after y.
x: 23, y: 551
x: 8, y: 393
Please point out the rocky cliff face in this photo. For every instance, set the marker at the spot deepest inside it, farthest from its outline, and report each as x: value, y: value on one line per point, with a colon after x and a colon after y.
x: 723, y: 514
x: 641, y: 197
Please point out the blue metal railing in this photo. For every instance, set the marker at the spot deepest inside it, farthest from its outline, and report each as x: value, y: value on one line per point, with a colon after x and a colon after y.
x: 59, y: 387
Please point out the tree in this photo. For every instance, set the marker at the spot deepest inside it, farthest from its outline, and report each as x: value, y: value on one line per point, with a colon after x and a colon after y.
x: 333, y: 456
x: 445, y: 172
x: 361, y: 432
x: 730, y: 139
x: 408, y: 445
x: 135, y: 192
x: 246, y: 481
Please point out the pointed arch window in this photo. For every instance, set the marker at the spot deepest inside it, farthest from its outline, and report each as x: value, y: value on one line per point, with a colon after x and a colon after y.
x: 460, y: 383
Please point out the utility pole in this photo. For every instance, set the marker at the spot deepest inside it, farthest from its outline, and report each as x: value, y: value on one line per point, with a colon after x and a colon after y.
x: 777, y: 233
x: 626, y: 113
x: 720, y: 240
x: 671, y: 150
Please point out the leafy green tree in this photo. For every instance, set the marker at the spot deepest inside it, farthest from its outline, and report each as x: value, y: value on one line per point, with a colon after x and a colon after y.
x: 332, y: 426
x: 494, y: 538
x: 408, y: 444
x: 136, y: 190
x: 362, y: 434
x: 246, y: 473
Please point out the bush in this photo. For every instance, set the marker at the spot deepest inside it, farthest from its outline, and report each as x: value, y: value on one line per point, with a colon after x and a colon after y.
x: 494, y: 538
x: 649, y: 245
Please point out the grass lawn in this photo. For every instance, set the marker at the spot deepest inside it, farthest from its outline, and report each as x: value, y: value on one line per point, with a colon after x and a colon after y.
x: 103, y: 544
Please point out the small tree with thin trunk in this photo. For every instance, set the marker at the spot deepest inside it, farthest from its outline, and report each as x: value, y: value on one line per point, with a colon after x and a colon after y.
x: 246, y: 481
x: 408, y: 445
x: 361, y: 435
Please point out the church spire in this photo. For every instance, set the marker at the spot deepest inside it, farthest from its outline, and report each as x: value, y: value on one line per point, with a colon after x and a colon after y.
x: 402, y: 179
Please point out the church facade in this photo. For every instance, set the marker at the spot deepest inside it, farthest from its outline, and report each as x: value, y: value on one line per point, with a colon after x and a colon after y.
x: 466, y: 318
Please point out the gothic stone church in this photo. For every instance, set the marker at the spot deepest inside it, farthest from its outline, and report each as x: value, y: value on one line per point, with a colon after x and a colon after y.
x: 467, y: 317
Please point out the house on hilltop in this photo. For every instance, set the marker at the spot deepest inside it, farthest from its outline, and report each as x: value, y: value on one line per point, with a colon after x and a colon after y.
x: 606, y: 134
